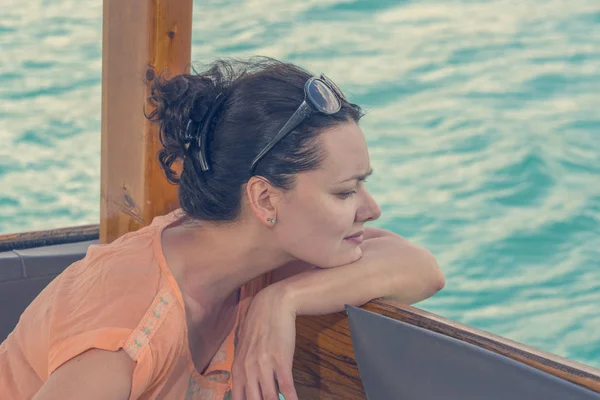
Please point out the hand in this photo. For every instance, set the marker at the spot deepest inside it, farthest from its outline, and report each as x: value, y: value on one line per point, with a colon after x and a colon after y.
x: 265, y: 351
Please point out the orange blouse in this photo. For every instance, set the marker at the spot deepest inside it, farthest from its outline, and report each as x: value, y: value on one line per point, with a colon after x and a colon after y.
x: 120, y: 296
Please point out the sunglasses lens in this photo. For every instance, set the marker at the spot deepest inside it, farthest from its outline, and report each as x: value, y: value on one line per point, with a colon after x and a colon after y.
x: 323, y: 97
x: 332, y: 85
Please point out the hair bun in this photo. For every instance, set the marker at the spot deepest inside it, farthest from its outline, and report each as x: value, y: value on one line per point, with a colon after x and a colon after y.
x: 176, y: 102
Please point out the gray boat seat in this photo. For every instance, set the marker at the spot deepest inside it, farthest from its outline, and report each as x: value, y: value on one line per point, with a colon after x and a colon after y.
x: 25, y: 273
x: 400, y: 361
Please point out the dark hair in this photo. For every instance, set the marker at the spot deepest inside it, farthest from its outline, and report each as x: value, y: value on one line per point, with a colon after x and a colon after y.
x: 260, y: 94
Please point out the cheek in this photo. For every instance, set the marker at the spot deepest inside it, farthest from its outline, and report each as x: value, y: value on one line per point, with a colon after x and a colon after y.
x: 323, y: 218
x: 314, y: 232
x: 338, y: 217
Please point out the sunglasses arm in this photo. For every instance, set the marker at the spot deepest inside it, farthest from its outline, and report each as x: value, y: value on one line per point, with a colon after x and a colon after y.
x: 296, y: 119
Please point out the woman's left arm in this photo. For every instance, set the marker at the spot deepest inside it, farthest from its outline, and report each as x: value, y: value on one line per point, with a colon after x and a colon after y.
x: 390, y: 267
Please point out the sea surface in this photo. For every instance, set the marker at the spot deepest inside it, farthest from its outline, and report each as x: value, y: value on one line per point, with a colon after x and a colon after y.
x: 483, y: 125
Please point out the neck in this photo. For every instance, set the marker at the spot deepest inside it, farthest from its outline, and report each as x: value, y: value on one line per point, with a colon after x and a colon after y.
x: 212, y: 261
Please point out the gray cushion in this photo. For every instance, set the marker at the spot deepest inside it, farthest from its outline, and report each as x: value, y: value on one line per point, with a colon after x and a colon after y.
x: 25, y: 273
x: 397, y: 360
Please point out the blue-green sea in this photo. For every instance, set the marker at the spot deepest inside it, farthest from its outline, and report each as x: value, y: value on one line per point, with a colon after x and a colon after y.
x: 483, y: 124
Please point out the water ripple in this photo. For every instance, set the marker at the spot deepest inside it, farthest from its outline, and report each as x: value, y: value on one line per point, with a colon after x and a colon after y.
x: 482, y: 123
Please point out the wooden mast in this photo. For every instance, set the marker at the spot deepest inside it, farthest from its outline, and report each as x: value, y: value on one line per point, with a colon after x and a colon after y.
x: 137, y: 34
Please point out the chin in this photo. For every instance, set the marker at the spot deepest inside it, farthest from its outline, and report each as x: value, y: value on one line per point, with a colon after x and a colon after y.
x: 357, y: 254
x: 347, y: 257
x: 328, y: 255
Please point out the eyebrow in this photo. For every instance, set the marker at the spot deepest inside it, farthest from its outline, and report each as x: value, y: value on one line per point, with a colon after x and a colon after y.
x: 360, y: 177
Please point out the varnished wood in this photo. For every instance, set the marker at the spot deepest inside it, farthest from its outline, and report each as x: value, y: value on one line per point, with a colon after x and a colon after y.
x: 324, y: 362
x: 137, y: 34
x: 325, y: 367
x: 25, y: 240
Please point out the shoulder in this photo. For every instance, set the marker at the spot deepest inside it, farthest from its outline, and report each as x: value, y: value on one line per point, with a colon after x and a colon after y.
x: 128, y: 322
x: 151, y: 337
x: 118, y: 296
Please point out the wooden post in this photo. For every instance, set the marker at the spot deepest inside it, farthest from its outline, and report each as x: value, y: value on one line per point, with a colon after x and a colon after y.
x: 137, y: 34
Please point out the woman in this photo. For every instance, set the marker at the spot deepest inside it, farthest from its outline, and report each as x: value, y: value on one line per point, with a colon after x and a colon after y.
x: 271, y: 165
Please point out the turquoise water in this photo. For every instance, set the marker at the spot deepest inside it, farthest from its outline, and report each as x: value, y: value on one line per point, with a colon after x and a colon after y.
x: 483, y: 127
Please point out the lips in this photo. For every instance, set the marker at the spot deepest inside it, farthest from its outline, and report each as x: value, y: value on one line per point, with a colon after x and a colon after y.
x: 357, y: 234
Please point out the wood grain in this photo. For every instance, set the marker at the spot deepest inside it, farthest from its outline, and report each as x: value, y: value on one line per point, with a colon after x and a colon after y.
x: 324, y: 362
x: 139, y: 38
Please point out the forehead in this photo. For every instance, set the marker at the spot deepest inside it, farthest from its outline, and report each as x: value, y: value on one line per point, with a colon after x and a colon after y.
x: 347, y: 152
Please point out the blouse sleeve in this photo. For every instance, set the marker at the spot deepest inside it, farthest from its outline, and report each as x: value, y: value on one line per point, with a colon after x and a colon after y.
x: 106, y: 332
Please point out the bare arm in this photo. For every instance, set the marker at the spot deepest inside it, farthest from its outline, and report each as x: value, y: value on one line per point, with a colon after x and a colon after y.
x: 295, y: 267
x: 93, y: 375
x: 390, y: 267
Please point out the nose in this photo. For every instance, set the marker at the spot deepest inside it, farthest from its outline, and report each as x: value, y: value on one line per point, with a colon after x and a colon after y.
x: 369, y: 210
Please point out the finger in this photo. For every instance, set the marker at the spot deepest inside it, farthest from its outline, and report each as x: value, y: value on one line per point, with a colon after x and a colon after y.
x: 285, y: 382
x: 267, y: 384
x: 253, y: 389
x: 238, y: 392
x: 238, y: 389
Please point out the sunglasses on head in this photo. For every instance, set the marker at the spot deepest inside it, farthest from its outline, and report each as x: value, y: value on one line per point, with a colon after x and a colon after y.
x: 320, y: 95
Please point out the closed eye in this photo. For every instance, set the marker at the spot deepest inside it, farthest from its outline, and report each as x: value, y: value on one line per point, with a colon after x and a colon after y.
x: 346, y: 195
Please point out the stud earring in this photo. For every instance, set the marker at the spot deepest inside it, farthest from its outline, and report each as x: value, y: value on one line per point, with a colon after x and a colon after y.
x: 272, y: 220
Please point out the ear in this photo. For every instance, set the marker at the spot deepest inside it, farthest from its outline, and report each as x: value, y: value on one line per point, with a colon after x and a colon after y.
x: 263, y: 198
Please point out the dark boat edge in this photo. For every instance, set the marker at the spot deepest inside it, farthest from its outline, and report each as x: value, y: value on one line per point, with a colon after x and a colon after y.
x: 27, y: 240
